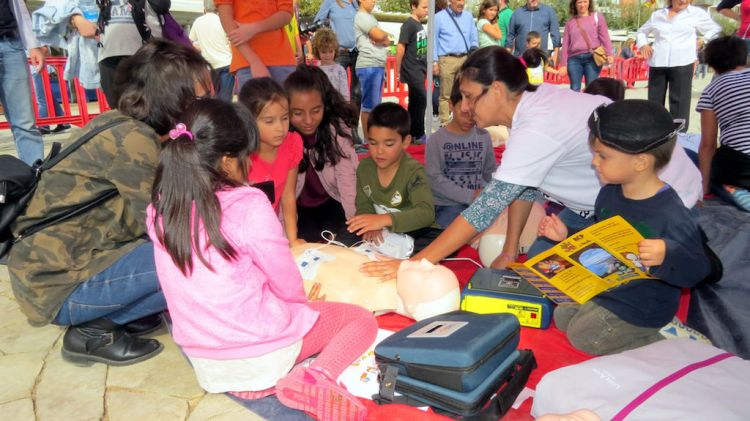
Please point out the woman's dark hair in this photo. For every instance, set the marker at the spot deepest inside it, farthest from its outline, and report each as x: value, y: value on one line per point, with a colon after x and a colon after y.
x: 574, y: 11
x: 613, y: 89
x: 486, y: 4
x: 726, y: 53
x: 258, y: 92
x: 189, y: 175
x: 496, y: 64
x: 339, y: 116
x: 157, y: 83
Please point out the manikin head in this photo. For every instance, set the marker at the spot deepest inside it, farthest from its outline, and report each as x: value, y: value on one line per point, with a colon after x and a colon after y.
x: 427, y: 290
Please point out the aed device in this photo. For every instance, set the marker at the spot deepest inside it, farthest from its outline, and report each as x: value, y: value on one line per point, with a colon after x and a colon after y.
x: 504, y: 291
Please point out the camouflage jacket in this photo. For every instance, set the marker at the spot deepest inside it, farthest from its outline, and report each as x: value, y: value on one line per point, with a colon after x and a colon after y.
x: 47, y: 266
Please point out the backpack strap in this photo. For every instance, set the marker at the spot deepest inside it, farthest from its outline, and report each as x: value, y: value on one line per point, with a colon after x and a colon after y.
x: 58, y: 155
x: 52, y: 159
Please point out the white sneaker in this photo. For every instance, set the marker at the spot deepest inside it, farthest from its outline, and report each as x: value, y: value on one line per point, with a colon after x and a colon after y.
x: 676, y: 329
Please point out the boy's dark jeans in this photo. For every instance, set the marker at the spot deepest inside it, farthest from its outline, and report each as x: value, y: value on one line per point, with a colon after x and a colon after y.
x: 417, y: 106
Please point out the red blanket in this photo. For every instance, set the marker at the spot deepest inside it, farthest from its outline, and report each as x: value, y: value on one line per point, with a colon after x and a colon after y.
x: 551, y: 347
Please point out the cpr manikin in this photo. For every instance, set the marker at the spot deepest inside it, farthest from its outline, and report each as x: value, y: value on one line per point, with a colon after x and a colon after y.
x: 421, y: 290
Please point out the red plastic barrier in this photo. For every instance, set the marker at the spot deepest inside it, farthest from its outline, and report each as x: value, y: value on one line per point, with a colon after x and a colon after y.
x: 630, y: 71
x: 78, y: 117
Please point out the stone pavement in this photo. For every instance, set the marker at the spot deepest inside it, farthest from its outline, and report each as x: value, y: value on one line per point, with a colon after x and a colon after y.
x: 38, y: 385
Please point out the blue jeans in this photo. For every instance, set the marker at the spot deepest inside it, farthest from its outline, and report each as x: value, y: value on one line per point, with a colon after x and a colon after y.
x: 371, y: 84
x: 572, y: 220
x: 125, y: 291
x: 444, y: 215
x: 41, y: 99
x: 224, y: 84
x: 15, y: 94
x: 580, y: 66
x: 278, y: 73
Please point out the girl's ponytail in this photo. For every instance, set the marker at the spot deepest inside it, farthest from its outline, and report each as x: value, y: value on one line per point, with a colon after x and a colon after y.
x: 189, y: 175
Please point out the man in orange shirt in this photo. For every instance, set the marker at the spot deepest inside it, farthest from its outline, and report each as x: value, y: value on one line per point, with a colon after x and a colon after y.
x: 260, y: 46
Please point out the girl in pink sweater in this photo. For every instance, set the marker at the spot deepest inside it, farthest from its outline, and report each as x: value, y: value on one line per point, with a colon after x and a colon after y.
x: 239, y: 310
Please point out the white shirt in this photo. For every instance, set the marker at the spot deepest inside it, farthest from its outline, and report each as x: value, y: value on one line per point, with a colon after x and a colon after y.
x: 548, y: 146
x: 548, y: 149
x: 209, y: 34
x: 675, y: 39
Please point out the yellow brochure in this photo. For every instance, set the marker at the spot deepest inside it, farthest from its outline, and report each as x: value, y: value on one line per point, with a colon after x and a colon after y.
x: 587, y: 263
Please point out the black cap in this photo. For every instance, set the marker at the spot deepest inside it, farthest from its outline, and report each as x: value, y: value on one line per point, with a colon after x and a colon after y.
x: 633, y: 125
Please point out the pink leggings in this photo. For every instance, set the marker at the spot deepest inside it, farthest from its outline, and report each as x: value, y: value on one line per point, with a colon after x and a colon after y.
x: 341, y: 334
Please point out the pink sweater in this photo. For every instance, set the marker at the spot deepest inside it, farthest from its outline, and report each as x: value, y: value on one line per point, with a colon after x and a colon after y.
x: 573, y: 42
x: 244, y: 308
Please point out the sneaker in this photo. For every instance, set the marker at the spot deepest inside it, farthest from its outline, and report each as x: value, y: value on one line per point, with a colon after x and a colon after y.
x: 44, y: 130
x: 312, y: 390
x: 676, y: 329
x: 61, y: 128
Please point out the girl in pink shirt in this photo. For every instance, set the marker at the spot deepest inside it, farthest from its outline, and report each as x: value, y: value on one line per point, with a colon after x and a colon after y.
x: 238, y: 306
x: 279, y: 152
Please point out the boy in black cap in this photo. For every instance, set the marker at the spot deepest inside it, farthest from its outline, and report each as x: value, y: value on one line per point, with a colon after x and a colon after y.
x: 631, y: 141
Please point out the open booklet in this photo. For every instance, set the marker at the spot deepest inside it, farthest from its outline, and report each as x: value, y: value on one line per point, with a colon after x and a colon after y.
x: 587, y: 263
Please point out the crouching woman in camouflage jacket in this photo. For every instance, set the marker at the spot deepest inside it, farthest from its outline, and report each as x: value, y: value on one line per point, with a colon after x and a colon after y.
x: 95, y: 272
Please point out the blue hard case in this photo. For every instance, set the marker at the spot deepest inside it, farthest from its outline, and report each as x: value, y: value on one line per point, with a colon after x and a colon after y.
x: 458, y: 350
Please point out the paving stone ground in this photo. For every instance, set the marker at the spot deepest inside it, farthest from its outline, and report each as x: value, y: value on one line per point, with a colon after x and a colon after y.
x: 36, y: 384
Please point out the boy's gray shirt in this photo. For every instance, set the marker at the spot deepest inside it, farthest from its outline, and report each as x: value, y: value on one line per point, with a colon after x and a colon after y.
x: 456, y: 165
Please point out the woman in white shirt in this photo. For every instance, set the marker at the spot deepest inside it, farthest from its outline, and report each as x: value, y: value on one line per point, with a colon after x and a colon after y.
x: 673, y: 54
x: 547, y: 152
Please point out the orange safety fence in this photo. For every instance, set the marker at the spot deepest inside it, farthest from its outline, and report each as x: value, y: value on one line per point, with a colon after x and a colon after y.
x: 79, y: 115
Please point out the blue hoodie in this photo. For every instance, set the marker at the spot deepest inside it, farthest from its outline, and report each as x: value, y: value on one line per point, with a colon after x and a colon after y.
x: 542, y: 20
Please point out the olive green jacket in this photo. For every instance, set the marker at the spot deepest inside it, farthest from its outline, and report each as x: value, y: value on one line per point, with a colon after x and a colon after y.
x: 47, y: 266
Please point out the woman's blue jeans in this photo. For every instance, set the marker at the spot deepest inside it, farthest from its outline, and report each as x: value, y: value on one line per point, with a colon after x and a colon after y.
x: 580, y: 66
x: 125, y: 291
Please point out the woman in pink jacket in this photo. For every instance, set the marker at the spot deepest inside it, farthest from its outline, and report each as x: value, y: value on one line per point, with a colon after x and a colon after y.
x: 585, y: 31
x: 235, y: 295
x: 327, y: 176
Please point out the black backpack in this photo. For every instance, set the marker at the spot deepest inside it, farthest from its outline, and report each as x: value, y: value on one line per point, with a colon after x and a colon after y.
x: 18, y: 183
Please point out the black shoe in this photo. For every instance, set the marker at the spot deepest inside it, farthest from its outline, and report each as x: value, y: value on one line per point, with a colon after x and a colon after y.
x: 61, y: 128
x: 144, y: 325
x: 103, y: 341
x: 44, y: 130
